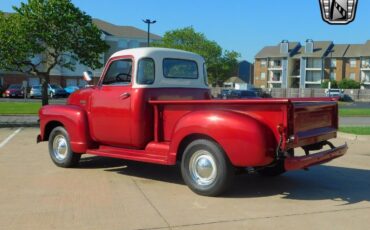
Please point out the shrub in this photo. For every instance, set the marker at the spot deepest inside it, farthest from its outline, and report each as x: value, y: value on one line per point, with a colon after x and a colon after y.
x: 349, y: 84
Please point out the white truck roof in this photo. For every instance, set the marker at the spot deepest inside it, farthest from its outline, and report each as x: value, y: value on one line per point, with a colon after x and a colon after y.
x: 158, y: 55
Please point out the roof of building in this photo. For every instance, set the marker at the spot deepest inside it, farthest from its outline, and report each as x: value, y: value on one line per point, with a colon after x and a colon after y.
x: 274, y: 51
x: 354, y: 50
x: 235, y: 80
x: 338, y: 50
x: 319, y: 49
x: 119, y: 31
x: 358, y: 50
x: 122, y: 31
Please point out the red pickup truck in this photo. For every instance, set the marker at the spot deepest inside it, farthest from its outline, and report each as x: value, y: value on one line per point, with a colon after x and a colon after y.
x: 154, y: 105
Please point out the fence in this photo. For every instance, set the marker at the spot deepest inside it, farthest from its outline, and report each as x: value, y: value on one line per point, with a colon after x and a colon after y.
x: 354, y: 94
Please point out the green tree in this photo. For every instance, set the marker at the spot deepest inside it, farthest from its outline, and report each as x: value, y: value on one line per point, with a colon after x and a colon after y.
x: 221, y: 64
x: 43, y: 34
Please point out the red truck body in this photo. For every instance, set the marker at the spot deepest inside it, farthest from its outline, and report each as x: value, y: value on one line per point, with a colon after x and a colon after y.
x: 156, y: 124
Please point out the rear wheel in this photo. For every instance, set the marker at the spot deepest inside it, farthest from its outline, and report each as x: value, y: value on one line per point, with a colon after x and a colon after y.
x: 205, y: 168
x: 60, y: 149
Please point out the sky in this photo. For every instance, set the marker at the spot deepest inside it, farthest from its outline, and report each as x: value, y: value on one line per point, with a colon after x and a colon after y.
x: 245, y: 26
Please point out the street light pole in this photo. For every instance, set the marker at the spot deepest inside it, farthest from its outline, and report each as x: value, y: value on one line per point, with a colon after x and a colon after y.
x: 148, y: 21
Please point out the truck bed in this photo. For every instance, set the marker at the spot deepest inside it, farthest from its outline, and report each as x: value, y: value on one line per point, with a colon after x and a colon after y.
x: 304, y: 121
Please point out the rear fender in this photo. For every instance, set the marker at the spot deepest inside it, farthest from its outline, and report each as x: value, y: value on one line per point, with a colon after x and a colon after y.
x: 74, y: 120
x: 245, y: 140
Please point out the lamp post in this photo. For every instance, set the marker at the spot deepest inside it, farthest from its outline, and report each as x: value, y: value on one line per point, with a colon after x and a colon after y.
x: 148, y: 21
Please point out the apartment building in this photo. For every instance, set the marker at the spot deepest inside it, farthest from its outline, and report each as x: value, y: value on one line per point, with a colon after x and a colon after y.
x: 315, y: 61
x: 117, y: 37
x: 335, y: 62
x: 312, y: 63
x: 273, y: 65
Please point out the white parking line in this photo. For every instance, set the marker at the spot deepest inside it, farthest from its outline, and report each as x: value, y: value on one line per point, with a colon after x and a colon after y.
x: 4, y: 142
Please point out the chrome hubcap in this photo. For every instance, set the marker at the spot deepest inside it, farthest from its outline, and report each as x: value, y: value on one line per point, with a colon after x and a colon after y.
x: 203, y: 168
x: 60, y: 147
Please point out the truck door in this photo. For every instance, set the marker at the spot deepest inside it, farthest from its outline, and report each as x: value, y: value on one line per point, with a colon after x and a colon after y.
x: 110, y: 108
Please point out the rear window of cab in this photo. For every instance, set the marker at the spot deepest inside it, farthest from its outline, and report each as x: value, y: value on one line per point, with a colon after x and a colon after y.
x: 180, y: 68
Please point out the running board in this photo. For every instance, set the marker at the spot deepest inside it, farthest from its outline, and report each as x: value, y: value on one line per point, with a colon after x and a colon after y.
x: 154, y: 152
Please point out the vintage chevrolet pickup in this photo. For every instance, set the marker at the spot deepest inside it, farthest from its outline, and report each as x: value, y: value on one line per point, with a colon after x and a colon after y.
x: 154, y: 105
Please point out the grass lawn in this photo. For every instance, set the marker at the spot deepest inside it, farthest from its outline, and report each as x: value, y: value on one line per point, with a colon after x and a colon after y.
x: 354, y: 112
x: 364, y: 130
x: 16, y: 108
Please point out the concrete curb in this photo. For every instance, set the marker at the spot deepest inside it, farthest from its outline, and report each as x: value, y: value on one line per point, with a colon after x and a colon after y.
x: 353, y: 137
x: 16, y: 125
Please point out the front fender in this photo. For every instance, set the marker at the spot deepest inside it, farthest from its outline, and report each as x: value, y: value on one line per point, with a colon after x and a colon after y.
x: 74, y: 120
x: 245, y: 140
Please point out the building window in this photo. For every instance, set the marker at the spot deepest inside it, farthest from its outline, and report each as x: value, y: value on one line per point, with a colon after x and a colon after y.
x: 275, y: 63
x: 333, y: 62
x: 366, y: 77
x: 263, y: 76
x: 313, y: 76
x: 263, y: 63
x: 365, y: 63
x: 352, y: 76
x: 314, y: 63
x: 275, y: 76
x: 352, y: 62
x: 333, y: 76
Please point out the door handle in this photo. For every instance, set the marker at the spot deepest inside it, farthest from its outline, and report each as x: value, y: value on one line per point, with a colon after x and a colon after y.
x: 124, y: 95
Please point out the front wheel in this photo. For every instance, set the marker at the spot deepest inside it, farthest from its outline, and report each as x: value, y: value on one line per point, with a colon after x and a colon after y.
x: 60, y: 149
x: 205, y: 168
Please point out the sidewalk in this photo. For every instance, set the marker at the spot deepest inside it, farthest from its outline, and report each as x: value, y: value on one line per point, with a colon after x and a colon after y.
x: 354, y: 121
x: 18, y: 121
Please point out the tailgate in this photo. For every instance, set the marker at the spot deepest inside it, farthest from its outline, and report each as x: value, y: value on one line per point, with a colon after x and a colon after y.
x: 312, y: 122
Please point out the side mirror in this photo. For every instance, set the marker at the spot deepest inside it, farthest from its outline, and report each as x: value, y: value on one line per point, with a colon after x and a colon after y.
x: 88, y: 76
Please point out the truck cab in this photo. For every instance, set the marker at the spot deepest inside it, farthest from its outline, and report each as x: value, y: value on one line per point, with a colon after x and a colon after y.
x: 132, y: 78
x: 154, y: 105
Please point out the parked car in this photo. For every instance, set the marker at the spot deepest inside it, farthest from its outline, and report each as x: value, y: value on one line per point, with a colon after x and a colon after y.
x: 166, y: 116
x: 71, y: 89
x: 239, y: 94
x: 225, y: 93
x: 14, y: 90
x: 242, y: 94
x: 35, y: 91
x: 334, y: 93
x: 56, y: 91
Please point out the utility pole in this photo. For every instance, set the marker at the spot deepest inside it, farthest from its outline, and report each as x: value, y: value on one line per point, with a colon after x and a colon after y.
x: 148, y: 21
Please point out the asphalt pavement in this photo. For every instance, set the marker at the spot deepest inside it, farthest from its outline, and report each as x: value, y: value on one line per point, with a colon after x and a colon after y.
x: 105, y: 193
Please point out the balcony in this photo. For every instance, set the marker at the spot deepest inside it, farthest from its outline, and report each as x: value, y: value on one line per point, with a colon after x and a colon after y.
x: 275, y: 77
x: 275, y: 65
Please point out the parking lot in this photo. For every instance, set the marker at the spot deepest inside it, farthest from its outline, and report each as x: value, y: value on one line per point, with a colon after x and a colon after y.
x: 116, y: 194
